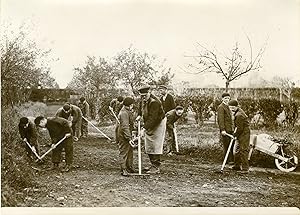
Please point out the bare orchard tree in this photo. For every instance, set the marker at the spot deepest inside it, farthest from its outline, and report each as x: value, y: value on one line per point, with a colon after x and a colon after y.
x: 284, y: 84
x: 136, y: 68
x: 231, y: 67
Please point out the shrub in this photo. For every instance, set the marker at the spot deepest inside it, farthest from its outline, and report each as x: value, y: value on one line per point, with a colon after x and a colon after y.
x: 270, y: 109
x: 250, y: 107
x: 16, y: 174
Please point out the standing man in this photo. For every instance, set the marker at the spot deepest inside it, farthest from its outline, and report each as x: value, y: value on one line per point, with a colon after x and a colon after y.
x: 172, y: 117
x: 154, y: 119
x: 124, y: 131
x: 85, y: 109
x: 242, y: 134
x: 72, y: 112
x: 225, y: 123
x: 58, y: 128
x: 27, y: 131
x: 166, y: 99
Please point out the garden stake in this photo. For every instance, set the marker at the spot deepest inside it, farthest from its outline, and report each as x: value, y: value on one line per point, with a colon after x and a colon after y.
x: 34, y: 152
x: 97, y: 128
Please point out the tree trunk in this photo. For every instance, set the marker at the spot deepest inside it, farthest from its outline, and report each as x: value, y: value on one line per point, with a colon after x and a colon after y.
x: 227, y: 85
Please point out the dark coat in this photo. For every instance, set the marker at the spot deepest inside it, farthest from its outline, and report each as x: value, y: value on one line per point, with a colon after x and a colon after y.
x: 29, y: 133
x: 57, y: 128
x: 225, y: 118
x: 153, y: 113
x: 75, y: 113
x: 85, y: 108
x: 241, y: 122
x: 168, y: 104
x: 172, y: 117
x: 126, y: 124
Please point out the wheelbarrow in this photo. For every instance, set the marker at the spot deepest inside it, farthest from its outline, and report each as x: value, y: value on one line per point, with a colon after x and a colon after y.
x: 285, y: 160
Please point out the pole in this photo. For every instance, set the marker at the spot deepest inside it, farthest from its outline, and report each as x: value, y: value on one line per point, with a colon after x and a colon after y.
x: 55, y: 145
x: 228, y: 150
x: 111, y: 109
x: 175, y: 138
x: 34, y: 152
x: 96, y: 128
x: 139, y: 148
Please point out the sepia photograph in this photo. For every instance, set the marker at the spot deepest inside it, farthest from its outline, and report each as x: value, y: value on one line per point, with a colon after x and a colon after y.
x: 150, y: 107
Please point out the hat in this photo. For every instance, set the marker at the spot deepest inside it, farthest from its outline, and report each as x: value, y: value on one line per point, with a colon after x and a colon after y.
x: 128, y: 101
x: 66, y: 107
x: 179, y: 107
x: 120, y: 98
x: 233, y: 103
x: 225, y: 94
x: 162, y: 87
x: 144, y: 89
x: 82, y: 99
x: 23, y: 121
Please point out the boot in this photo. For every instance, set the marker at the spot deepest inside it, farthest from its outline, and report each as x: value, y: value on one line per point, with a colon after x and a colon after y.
x: 54, y: 166
x: 67, y: 168
x: 153, y: 170
x: 124, y: 172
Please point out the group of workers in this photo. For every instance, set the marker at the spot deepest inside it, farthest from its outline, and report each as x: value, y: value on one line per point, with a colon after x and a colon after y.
x: 156, y: 116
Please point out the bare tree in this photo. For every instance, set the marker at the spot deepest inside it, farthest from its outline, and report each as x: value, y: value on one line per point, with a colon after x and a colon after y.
x: 231, y: 67
x: 136, y: 68
x: 284, y: 84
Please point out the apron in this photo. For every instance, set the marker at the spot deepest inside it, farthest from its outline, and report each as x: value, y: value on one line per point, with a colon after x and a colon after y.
x: 154, y: 139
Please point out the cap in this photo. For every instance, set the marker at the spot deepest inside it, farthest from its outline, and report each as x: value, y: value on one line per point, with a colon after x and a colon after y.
x: 233, y: 103
x: 66, y: 107
x: 23, y: 120
x: 144, y: 89
x: 179, y: 107
x: 225, y: 94
x: 162, y: 87
x: 82, y: 99
x: 128, y: 101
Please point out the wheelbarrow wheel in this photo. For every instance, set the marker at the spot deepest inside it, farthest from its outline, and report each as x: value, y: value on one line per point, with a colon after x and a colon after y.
x: 288, y: 166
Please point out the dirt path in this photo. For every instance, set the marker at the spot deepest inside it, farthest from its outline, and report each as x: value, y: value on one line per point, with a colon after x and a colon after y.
x: 184, y: 182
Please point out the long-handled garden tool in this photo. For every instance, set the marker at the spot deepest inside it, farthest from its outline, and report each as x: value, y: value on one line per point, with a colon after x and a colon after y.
x: 34, y: 151
x: 175, y: 138
x: 55, y: 145
x: 112, y: 110
x: 97, y: 128
x: 228, y: 150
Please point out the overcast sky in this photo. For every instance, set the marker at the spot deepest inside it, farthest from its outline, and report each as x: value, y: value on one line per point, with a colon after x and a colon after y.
x: 74, y: 29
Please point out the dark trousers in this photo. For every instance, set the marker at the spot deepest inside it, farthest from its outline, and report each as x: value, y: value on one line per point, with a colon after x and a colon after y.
x: 67, y: 144
x: 155, y: 160
x: 242, y: 152
x: 126, y: 155
x: 84, y: 127
x: 171, y: 146
x: 226, y: 142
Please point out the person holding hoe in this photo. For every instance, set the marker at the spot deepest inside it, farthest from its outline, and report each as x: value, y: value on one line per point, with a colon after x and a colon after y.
x: 225, y: 122
x: 124, y: 131
x: 242, y: 135
x: 72, y: 112
x: 58, y: 128
x: 172, y: 117
x: 154, y: 120
x: 28, y: 133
